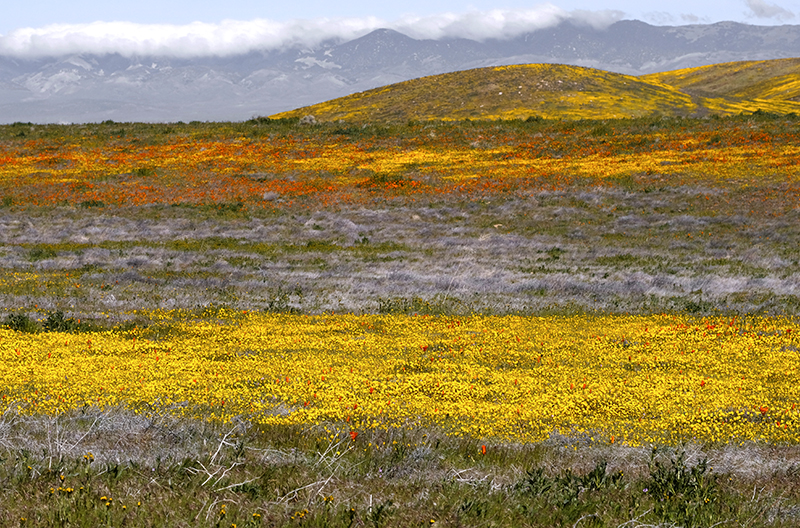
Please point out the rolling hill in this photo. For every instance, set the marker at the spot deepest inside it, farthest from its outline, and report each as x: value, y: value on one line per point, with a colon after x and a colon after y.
x: 767, y: 79
x: 558, y: 91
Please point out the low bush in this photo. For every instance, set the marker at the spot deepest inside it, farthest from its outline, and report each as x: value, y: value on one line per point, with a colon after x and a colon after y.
x: 21, y: 323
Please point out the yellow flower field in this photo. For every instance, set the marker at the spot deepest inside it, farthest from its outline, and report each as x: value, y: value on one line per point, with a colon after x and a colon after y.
x: 623, y: 379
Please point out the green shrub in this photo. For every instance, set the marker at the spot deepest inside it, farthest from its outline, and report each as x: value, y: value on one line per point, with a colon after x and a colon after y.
x: 91, y: 203
x: 439, y: 305
x: 682, y: 495
x: 535, y: 483
x: 41, y: 253
x: 21, y: 323
x: 56, y: 322
x: 230, y: 207
x: 280, y: 301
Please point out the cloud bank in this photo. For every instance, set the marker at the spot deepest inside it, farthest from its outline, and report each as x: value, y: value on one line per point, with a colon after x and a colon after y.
x: 762, y: 9
x: 231, y: 37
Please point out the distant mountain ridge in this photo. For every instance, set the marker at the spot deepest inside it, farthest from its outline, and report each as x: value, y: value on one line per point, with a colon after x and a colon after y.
x: 88, y: 88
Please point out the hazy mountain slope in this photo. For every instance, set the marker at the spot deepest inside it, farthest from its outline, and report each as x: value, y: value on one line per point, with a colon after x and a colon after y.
x: 558, y: 92
x: 635, y: 47
x: 85, y: 87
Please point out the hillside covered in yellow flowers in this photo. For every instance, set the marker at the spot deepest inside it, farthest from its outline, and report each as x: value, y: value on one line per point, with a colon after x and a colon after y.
x: 557, y: 91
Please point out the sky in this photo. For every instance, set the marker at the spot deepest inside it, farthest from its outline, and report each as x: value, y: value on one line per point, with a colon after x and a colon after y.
x: 201, y: 27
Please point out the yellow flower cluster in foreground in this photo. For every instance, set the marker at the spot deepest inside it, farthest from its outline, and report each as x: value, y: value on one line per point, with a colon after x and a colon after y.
x: 629, y: 379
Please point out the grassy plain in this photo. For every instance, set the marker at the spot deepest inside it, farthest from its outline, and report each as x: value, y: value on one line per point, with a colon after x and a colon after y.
x: 452, y: 324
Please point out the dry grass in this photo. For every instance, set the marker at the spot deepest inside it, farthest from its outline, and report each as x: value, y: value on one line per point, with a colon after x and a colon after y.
x: 90, y: 468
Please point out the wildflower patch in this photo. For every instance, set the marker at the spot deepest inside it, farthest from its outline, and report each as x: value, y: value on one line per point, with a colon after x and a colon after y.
x: 610, y: 379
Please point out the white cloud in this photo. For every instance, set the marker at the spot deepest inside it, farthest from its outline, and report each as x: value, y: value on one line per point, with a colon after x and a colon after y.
x: 311, y: 61
x: 689, y: 18
x: 231, y: 37
x: 596, y: 19
x: 191, y: 40
x: 480, y: 25
x: 762, y: 9
x: 660, y: 18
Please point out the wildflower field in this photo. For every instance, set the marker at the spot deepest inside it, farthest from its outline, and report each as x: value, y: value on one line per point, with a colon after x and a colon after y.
x: 629, y: 379
x: 521, y: 323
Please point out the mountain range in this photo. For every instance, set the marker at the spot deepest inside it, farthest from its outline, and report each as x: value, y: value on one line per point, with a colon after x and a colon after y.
x: 92, y: 88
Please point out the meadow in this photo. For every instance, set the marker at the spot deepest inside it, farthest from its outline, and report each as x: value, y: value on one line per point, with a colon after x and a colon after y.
x: 527, y: 322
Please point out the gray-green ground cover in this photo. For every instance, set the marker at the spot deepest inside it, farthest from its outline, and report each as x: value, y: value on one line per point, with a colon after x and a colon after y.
x: 615, y: 249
